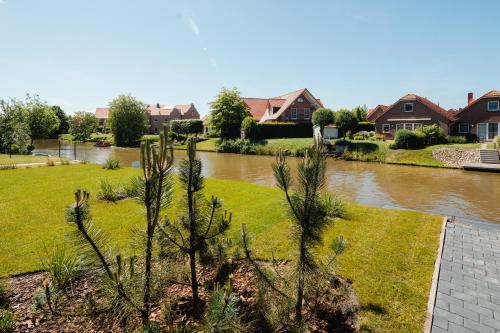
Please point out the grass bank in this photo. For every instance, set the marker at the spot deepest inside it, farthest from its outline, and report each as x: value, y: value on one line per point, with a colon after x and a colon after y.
x: 389, y: 258
x: 6, y: 160
x: 373, y: 151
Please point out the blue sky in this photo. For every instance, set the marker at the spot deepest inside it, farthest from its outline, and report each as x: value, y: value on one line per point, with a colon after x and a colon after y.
x: 82, y: 54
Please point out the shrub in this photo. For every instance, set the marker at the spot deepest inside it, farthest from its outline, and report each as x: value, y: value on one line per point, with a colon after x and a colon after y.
x: 62, y: 267
x: 108, y: 191
x: 432, y: 134
x: 111, y: 164
x: 243, y: 146
x: 6, y: 321
x: 284, y: 130
x: 497, y: 142
x: 249, y: 126
x: 222, y: 313
x: 186, y: 126
x: 457, y: 139
x: 406, y: 139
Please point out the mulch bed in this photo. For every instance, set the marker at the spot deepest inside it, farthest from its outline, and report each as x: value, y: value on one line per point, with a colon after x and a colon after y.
x: 72, y: 316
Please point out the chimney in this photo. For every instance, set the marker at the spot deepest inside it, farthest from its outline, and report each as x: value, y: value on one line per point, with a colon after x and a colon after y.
x: 157, y: 105
x: 470, y: 98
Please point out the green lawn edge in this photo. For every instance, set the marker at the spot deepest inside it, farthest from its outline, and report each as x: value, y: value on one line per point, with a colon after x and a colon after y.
x: 390, y: 255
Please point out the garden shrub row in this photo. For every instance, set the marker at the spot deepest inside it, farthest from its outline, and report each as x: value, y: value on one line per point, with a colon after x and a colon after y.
x: 186, y: 126
x: 284, y: 130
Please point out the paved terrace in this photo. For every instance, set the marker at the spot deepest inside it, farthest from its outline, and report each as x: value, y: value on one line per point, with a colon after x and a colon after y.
x: 468, y: 289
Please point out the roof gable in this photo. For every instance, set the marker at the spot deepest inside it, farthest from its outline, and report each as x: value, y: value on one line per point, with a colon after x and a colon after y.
x: 489, y: 94
x: 411, y: 98
x: 289, y: 99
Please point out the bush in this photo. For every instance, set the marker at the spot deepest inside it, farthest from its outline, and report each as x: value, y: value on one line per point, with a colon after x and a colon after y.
x: 108, y: 191
x: 249, y: 126
x: 457, y: 139
x: 284, y: 130
x: 432, y: 134
x: 186, y: 126
x: 111, y: 164
x: 6, y: 321
x: 62, y: 267
x: 406, y: 139
x: 497, y: 142
x: 243, y: 146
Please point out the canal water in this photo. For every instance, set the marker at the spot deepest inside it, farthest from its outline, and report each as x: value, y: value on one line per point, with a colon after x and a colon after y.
x: 472, y: 195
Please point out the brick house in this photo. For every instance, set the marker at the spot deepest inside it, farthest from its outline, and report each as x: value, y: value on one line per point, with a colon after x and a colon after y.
x: 409, y: 112
x: 296, y: 106
x: 480, y: 117
x: 157, y: 115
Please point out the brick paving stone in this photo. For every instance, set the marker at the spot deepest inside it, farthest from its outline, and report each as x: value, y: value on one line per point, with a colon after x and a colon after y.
x: 468, y: 291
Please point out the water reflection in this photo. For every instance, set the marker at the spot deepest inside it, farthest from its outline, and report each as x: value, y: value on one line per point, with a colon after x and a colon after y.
x: 452, y: 192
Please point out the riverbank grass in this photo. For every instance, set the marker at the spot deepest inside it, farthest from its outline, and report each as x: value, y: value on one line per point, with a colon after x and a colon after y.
x: 389, y: 258
x: 6, y: 160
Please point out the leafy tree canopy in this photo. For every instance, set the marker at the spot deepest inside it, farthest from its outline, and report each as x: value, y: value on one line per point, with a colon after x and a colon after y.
x: 227, y: 112
x: 82, y: 125
x: 63, y: 120
x: 360, y: 112
x: 14, y: 129
x: 323, y: 117
x: 127, y: 120
x: 249, y: 125
x: 345, y: 121
x: 42, y: 120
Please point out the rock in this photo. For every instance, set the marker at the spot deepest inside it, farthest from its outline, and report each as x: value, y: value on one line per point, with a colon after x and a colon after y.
x: 456, y: 157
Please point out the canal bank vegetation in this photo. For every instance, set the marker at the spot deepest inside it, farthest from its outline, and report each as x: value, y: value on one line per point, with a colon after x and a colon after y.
x: 389, y: 256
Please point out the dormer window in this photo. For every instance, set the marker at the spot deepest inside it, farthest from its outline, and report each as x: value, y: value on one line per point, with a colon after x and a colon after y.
x: 408, y: 107
x: 494, y: 106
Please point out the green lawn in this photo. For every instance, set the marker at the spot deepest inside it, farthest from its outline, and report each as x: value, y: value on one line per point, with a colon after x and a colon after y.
x: 5, y: 159
x: 377, y: 151
x: 390, y: 253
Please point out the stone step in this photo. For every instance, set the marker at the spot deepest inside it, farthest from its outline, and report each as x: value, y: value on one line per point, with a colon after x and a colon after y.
x: 489, y: 156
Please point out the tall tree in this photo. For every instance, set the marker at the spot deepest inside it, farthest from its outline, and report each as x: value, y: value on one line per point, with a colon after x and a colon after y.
x: 14, y: 129
x: 227, y: 112
x: 345, y: 121
x: 63, y: 121
x: 127, y: 120
x: 323, y: 117
x: 42, y: 120
x: 360, y: 112
x: 197, y: 231
x: 82, y: 125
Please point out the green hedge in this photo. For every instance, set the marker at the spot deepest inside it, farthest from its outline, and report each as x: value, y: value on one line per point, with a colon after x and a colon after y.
x: 365, y: 126
x: 406, y: 139
x: 186, y: 126
x: 284, y: 130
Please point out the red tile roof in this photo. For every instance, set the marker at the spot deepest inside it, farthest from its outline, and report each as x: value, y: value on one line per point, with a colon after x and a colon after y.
x: 256, y: 106
x: 102, y: 113
x: 373, y: 113
x: 408, y: 97
x: 259, y: 106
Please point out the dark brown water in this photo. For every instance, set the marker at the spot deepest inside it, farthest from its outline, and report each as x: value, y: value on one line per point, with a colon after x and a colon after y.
x: 473, y: 195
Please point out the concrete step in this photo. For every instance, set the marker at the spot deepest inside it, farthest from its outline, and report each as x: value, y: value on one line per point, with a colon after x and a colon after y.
x: 489, y: 156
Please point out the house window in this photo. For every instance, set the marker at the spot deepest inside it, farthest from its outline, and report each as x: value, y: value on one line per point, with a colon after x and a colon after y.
x: 409, y: 127
x: 386, y: 128
x: 494, y: 106
x: 294, y: 113
x: 307, y: 113
x: 300, y: 100
x: 408, y: 107
x: 492, y: 130
x: 400, y: 127
x: 463, y: 128
x: 155, y: 120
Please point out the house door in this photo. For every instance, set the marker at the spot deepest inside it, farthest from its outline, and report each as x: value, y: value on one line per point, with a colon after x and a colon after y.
x: 492, y: 130
x: 482, y: 131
